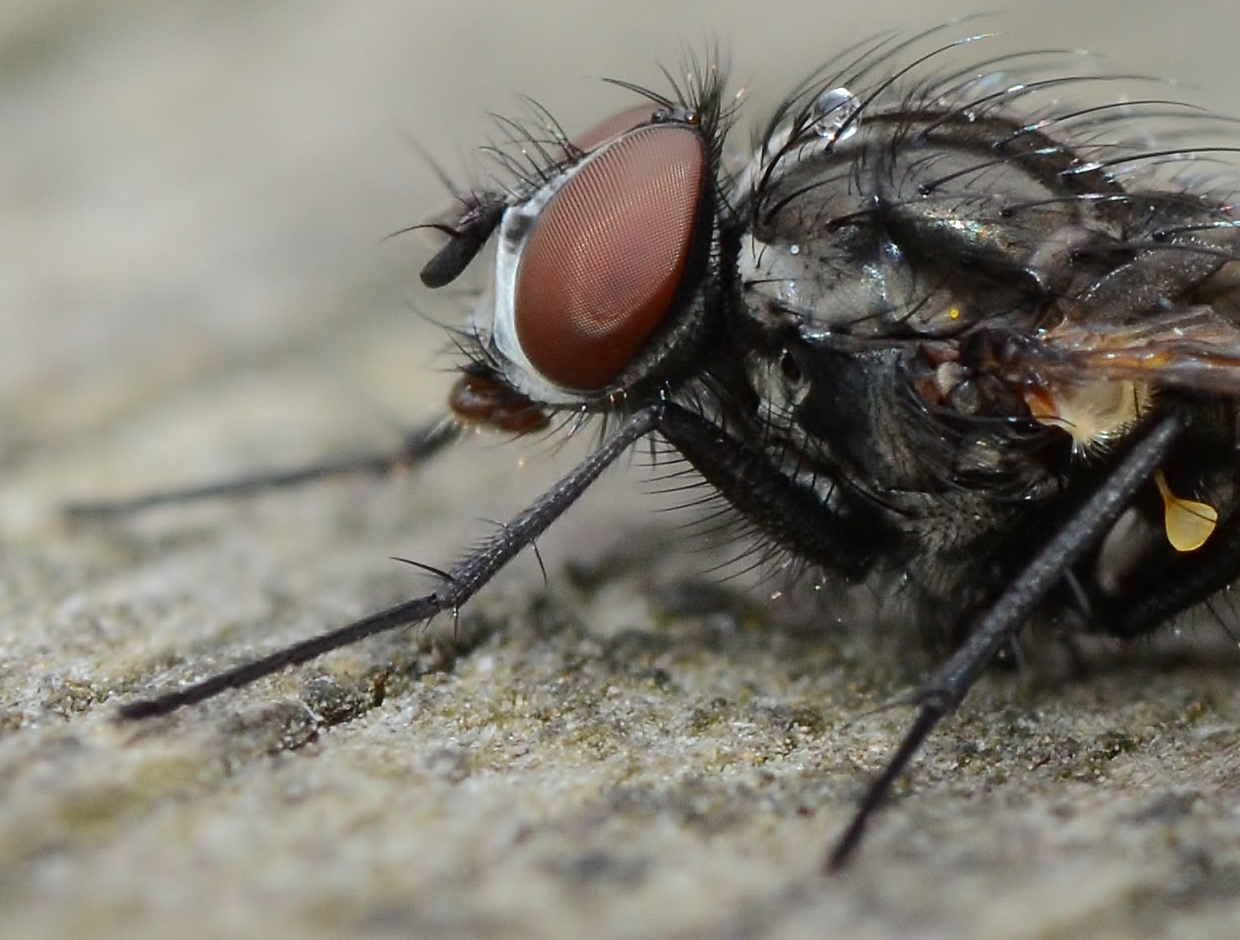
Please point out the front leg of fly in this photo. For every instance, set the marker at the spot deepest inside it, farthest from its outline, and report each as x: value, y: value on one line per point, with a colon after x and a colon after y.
x: 812, y: 521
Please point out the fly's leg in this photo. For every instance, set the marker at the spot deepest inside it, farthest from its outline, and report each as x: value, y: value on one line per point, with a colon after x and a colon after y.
x: 460, y: 583
x: 794, y: 517
x: 947, y: 688
x: 418, y: 446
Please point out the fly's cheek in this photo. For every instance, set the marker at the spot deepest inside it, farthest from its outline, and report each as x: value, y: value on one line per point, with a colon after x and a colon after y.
x: 604, y: 260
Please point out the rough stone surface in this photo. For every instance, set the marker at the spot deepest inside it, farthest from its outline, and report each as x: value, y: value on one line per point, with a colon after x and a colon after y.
x: 195, y: 283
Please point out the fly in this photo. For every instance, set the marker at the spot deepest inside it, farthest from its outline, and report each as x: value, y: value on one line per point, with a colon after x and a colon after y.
x: 934, y: 329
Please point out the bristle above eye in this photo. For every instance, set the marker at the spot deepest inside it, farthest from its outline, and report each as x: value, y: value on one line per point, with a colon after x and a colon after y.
x: 605, y: 258
x: 614, y: 126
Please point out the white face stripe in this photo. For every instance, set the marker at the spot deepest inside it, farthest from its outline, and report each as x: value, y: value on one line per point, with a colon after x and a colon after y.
x: 514, y: 234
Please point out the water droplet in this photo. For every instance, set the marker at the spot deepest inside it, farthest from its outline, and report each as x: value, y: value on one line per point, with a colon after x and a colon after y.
x: 832, y: 112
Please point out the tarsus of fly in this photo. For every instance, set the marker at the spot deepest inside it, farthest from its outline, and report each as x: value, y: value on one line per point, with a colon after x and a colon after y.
x: 947, y: 688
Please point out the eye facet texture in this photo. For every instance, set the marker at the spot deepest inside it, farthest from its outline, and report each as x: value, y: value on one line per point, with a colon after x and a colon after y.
x: 605, y: 258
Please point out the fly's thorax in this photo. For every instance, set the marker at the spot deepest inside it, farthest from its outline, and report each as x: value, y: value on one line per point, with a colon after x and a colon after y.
x: 918, y: 224
x: 870, y: 417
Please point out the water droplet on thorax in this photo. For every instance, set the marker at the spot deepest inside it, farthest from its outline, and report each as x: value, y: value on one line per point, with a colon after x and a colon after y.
x: 832, y: 114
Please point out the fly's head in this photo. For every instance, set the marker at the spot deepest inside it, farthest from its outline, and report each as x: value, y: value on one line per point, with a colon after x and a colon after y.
x: 603, y: 290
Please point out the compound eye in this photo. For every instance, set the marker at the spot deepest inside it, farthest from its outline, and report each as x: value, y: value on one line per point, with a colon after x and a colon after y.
x: 605, y: 258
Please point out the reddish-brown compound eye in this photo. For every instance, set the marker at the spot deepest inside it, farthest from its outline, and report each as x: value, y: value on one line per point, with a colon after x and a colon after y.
x: 606, y: 256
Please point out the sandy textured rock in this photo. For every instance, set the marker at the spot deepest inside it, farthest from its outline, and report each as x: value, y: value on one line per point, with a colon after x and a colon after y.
x: 195, y: 282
